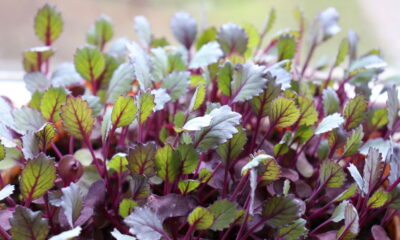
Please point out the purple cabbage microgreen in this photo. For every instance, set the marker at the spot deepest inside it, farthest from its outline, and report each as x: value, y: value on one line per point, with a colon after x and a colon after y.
x: 225, y: 136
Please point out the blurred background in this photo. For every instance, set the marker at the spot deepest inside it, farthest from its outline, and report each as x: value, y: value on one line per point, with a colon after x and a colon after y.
x: 374, y: 21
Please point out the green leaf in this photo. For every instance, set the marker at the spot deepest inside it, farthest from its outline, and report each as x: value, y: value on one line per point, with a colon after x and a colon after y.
x: 378, y: 199
x: 77, y: 117
x: 347, y: 194
x: 145, y: 224
x: 187, y: 186
x: 45, y: 135
x: 283, y: 112
x: 208, y: 35
x: 34, y: 58
x: 176, y: 84
x: 167, y: 163
x: 124, y: 111
x: 120, y: 83
x: 270, y: 23
x: 266, y: 166
x: 343, y: 51
x: 51, y: 103
x: 28, y: 225
x: 254, y: 38
x: 141, y: 159
x: 72, y: 203
x: 102, y: 32
x: 331, y: 101
x: 355, y: 112
x: 37, y: 177
x: 329, y: 123
x: 281, y: 211
x: 286, y: 47
x: 303, y: 134
x: 200, y: 218
x: 2, y: 151
x: 35, y: 100
x: 184, y: 28
x: 222, y: 127
x: 338, y: 213
x: 48, y: 24
x: 146, y: 105
x: 294, y: 231
x: 261, y: 103
x: 248, y: 82
x: 308, y: 113
x: 208, y: 54
x: 225, y: 76
x: 111, y: 64
x: 331, y: 175
x: 197, y: 98
x: 379, y: 117
x: 233, y: 147
x: 392, y: 104
x: 118, y: 162
x: 232, y: 39
x: 224, y: 212
x: 353, y: 142
x: 143, y: 30
x: 189, y: 158
x: 89, y: 63
x: 126, y: 207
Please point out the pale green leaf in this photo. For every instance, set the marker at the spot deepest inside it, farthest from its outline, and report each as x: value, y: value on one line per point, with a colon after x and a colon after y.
x: 197, y: 123
x: 27, y: 119
x: 72, y: 203
x: 225, y: 76
x: 120, y: 83
x: 208, y: 35
x: 232, y: 39
x: 143, y: 30
x: 36, y: 81
x: 343, y: 51
x: 68, y: 234
x: 141, y: 63
x: 118, y: 163
x: 392, y: 104
x: 184, y: 28
x: 248, y: 82
x: 331, y: 101
x: 329, y: 123
x: 208, y: 54
x: 286, y: 47
x: 144, y: 223
x: 176, y: 84
x: 222, y: 127
x: 372, y: 169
